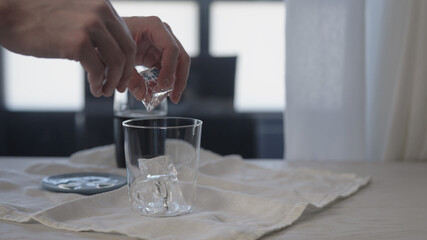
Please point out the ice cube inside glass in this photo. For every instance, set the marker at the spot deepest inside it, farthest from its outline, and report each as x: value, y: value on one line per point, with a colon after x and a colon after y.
x: 162, y: 158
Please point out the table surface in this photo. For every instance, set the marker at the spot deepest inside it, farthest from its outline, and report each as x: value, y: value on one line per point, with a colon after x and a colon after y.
x: 392, y: 206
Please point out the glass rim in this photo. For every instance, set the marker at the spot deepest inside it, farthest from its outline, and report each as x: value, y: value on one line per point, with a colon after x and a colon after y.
x: 128, y: 123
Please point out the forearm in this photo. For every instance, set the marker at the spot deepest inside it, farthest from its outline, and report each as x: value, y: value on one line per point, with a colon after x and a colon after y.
x: 13, y: 19
x: 5, y: 13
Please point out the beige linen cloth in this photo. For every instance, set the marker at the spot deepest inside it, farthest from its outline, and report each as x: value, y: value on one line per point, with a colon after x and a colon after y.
x: 235, y: 199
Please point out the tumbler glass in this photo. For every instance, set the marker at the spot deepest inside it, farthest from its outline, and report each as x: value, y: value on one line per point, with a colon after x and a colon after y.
x: 162, y: 159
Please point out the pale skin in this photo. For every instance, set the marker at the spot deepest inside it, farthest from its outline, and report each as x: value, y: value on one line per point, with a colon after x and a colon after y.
x: 107, y: 46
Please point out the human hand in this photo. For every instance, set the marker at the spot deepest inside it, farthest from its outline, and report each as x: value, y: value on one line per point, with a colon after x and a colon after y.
x: 157, y: 46
x: 88, y: 31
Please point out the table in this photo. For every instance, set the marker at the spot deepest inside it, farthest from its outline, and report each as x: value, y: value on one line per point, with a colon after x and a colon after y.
x: 392, y: 206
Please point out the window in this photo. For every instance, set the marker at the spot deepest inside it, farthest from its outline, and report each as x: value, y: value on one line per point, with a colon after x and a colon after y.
x: 254, y: 32
x: 34, y: 84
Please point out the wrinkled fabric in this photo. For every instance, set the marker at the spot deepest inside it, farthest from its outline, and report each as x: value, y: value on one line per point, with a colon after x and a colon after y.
x: 235, y: 199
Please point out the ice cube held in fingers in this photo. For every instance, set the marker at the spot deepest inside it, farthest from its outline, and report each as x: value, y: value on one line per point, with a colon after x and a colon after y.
x: 155, y: 95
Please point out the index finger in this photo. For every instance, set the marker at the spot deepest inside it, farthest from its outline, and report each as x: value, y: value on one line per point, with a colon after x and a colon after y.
x: 122, y: 35
x: 166, y: 44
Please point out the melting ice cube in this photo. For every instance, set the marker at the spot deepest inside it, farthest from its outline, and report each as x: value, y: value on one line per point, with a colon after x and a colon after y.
x: 158, y: 166
x: 157, y: 191
x: 155, y: 95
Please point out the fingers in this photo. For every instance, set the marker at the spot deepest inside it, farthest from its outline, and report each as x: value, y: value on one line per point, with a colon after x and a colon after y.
x: 122, y: 35
x: 182, y: 70
x: 157, y: 46
x: 165, y: 43
x: 175, y: 62
x: 112, y: 42
x: 113, y: 58
x: 95, y: 69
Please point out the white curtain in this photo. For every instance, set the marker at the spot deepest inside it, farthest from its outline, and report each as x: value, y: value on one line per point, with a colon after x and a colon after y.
x: 356, y: 80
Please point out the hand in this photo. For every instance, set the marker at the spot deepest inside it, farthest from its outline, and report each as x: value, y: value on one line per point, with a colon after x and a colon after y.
x: 89, y: 31
x: 157, y: 46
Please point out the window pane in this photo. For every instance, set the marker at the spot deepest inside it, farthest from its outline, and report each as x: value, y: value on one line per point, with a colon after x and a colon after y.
x: 255, y: 33
x: 37, y: 84
x: 182, y: 17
